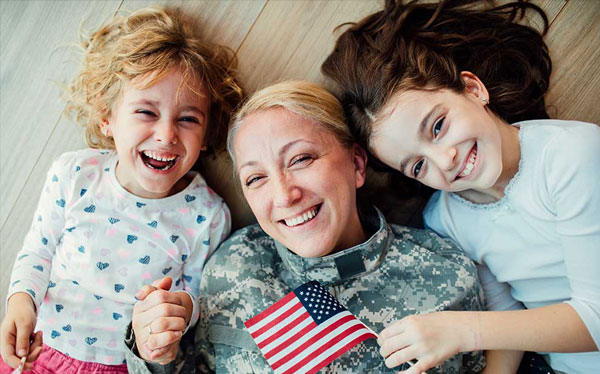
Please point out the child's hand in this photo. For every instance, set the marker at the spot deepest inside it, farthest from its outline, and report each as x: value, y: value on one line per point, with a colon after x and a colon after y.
x: 428, y: 338
x: 159, y: 319
x: 16, y: 332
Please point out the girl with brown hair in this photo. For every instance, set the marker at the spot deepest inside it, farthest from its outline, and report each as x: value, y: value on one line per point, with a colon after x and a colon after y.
x: 452, y: 95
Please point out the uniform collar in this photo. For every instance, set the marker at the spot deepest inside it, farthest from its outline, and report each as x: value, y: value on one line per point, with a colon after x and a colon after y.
x: 350, y: 263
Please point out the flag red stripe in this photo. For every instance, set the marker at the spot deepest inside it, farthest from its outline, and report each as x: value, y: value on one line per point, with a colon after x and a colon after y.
x: 287, y: 328
x: 254, y: 320
x: 291, y: 340
x: 339, y: 352
x: 310, y: 341
x: 318, y: 348
x: 279, y: 318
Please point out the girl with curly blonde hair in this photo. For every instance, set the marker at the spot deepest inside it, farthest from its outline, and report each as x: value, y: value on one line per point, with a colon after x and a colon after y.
x: 152, y: 95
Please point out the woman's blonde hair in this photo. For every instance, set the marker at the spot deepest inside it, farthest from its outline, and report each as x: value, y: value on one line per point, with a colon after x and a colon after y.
x: 306, y: 99
x: 147, y: 44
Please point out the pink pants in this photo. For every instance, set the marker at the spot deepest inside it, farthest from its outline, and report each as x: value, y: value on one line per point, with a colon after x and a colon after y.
x: 51, y: 361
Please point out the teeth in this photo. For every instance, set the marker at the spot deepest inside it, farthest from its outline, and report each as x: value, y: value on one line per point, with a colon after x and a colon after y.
x: 301, y: 218
x: 470, y: 165
x: 158, y: 157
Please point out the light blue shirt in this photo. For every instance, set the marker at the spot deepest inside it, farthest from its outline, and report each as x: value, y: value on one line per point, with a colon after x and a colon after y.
x: 540, y: 244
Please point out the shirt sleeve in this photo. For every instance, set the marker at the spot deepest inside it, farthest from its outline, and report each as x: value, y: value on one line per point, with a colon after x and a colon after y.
x: 572, y: 170
x: 497, y: 294
x: 31, y: 271
x: 219, y: 229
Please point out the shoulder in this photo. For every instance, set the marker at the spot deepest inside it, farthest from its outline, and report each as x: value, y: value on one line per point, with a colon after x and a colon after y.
x: 71, y: 163
x: 559, y: 138
x: 429, y: 249
x: 247, y: 254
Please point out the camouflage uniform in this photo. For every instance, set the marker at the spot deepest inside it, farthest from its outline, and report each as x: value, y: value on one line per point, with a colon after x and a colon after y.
x: 397, y: 272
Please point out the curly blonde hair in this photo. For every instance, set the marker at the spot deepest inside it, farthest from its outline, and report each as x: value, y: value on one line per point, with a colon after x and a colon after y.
x: 147, y: 44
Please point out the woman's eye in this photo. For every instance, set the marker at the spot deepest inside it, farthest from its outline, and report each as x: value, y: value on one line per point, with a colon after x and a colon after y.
x: 300, y: 159
x: 417, y: 168
x: 438, y: 126
x: 251, y: 180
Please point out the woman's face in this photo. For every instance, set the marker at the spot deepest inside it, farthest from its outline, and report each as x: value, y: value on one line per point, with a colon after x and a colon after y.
x: 300, y: 182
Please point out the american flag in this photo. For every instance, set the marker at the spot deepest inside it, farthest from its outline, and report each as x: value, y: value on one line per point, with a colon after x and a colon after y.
x: 306, y: 330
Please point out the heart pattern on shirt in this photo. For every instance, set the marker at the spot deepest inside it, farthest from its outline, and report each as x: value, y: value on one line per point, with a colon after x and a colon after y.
x: 131, y: 238
x: 189, y: 198
x: 174, y: 238
x: 67, y: 328
x: 60, y: 203
x: 102, y: 265
x: 81, y: 249
x: 144, y: 260
x: 153, y: 224
x: 90, y: 209
x: 116, y: 316
x: 55, y: 334
x: 59, y: 307
x: 113, y: 220
x: 90, y: 340
x: 119, y: 287
x: 200, y: 219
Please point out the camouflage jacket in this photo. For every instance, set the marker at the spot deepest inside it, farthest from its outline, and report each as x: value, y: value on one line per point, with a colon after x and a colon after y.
x: 397, y: 272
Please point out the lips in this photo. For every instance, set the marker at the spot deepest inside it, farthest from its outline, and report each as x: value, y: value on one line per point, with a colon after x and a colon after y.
x: 469, y: 163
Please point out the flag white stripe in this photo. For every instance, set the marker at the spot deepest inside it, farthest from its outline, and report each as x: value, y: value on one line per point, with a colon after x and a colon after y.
x: 308, y: 336
x: 317, y: 360
x: 274, y: 315
x: 282, y: 324
x: 300, y: 356
x: 307, y: 321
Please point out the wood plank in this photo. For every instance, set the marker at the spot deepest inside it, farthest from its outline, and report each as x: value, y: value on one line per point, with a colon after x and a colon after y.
x: 35, y: 58
x: 33, y: 54
x: 573, y: 41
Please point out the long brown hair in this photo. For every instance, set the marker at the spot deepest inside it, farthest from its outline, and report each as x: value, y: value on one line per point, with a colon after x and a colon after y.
x: 425, y: 46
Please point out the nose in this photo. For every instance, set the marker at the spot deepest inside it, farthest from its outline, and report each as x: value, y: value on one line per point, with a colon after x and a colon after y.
x: 446, y: 158
x: 285, y: 192
x: 165, y: 132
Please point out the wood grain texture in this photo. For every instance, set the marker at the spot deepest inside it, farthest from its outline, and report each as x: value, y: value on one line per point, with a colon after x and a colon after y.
x: 573, y: 41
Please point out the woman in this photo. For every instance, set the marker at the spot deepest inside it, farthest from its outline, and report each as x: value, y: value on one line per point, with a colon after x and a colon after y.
x: 299, y: 170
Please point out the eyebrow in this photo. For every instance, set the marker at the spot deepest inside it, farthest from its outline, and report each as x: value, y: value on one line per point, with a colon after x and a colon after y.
x: 420, y: 132
x: 283, y: 150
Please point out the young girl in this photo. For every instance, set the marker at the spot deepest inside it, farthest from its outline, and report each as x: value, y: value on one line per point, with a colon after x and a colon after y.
x: 453, y: 96
x: 152, y: 95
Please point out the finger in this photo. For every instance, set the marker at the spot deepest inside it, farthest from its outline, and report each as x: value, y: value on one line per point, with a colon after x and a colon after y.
x: 401, y: 356
x: 144, y: 292
x: 163, y: 339
x: 156, y: 298
x: 164, y: 283
x: 36, y: 347
x: 392, y: 344
x: 24, y: 330
x: 395, y: 328
x: 162, y: 356
x: 163, y: 324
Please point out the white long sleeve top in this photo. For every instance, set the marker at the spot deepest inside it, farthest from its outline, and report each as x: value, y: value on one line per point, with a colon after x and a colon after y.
x: 541, y: 241
x: 92, y: 245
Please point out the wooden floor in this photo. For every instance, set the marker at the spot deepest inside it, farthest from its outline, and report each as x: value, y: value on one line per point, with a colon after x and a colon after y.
x: 273, y: 40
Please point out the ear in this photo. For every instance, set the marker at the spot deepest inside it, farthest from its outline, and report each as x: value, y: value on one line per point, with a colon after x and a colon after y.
x: 475, y: 88
x: 359, y: 158
x: 105, y: 126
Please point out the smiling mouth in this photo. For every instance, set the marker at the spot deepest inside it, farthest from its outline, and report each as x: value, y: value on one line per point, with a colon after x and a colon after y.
x: 158, y: 161
x: 469, y: 164
x: 302, y: 218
